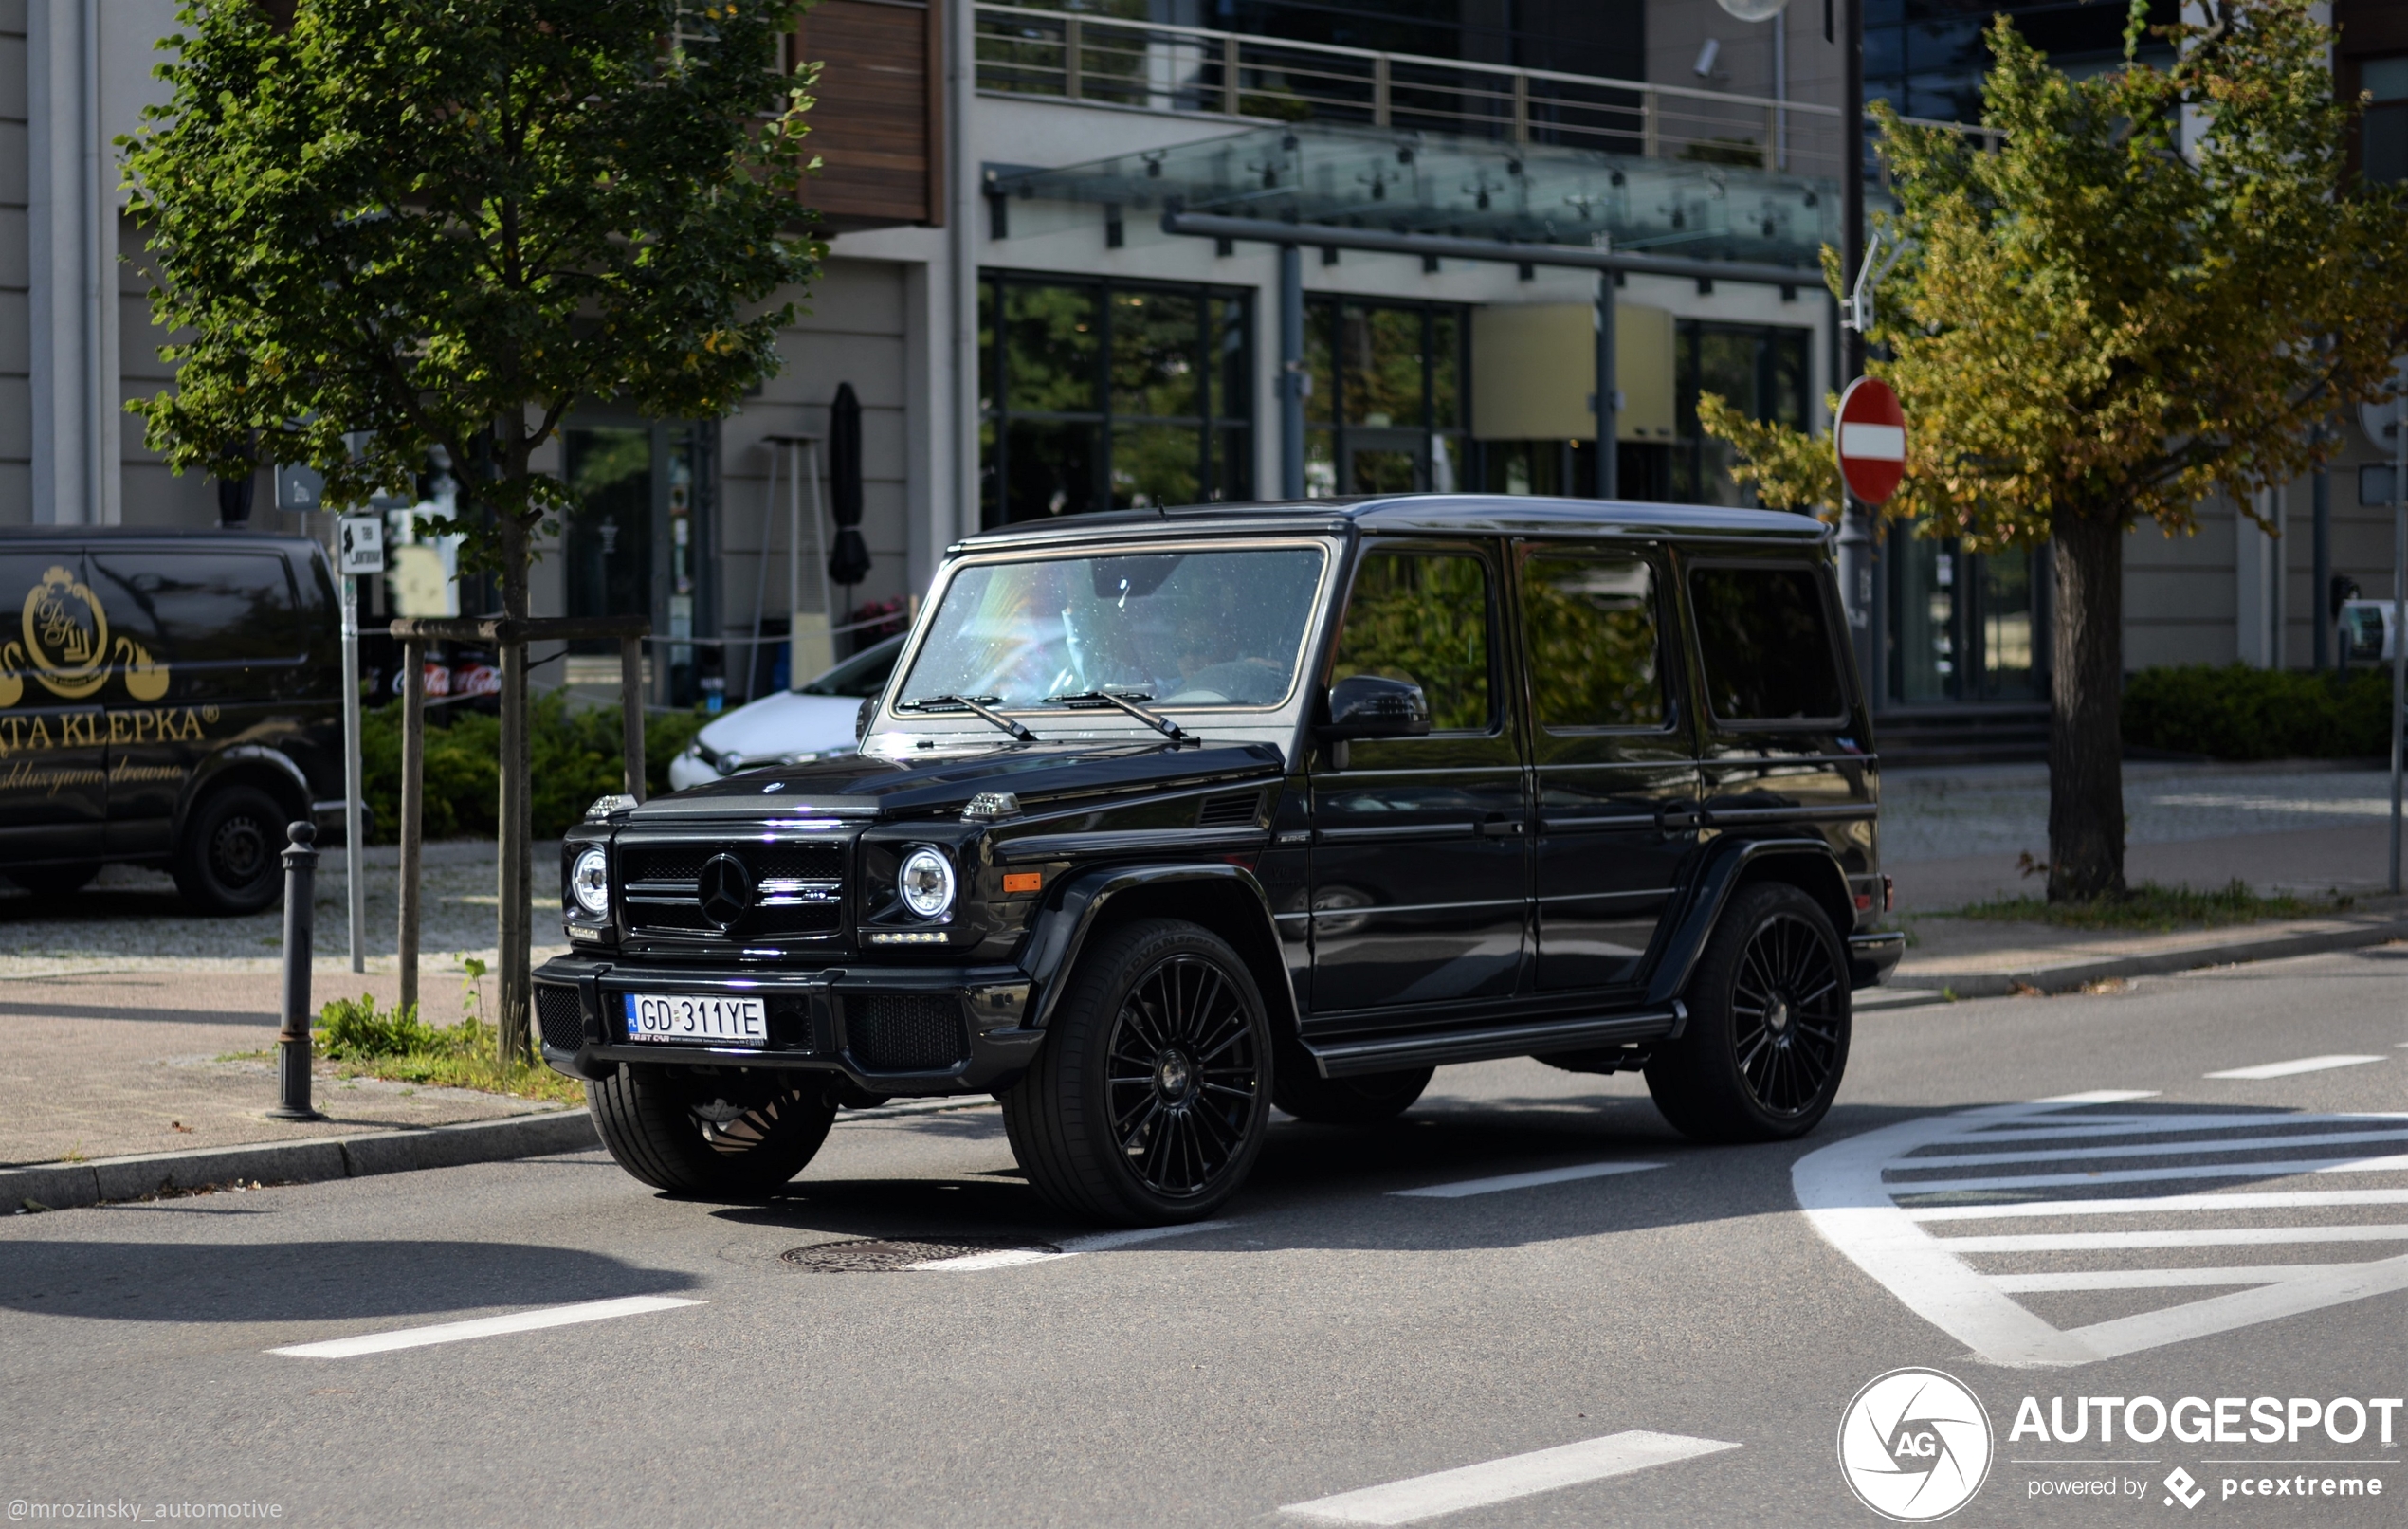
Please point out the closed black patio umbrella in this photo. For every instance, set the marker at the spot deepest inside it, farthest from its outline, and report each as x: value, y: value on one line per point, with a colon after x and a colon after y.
x: 849, y: 559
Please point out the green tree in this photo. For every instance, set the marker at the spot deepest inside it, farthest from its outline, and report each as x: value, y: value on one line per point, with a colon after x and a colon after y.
x: 2154, y: 289
x: 383, y: 226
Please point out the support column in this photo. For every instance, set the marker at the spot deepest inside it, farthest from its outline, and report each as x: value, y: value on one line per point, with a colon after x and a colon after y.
x: 2320, y: 583
x: 71, y: 268
x: 1291, y: 372
x: 1606, y: 405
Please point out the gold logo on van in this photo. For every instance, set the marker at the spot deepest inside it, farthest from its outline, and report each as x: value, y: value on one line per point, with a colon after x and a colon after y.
x: 68, y: 649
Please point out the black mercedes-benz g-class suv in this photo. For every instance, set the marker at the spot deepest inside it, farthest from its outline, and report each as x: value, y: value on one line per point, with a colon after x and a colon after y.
x: 1171, y: 816
x: 168, y: 699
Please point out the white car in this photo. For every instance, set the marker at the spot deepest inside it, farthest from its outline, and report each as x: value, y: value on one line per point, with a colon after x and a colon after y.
x: 790, y: 726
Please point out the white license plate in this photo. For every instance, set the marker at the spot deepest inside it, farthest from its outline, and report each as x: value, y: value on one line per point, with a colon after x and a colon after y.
x: 694, y: 1019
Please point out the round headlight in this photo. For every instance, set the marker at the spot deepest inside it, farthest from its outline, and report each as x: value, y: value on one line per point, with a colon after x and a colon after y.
x: 926, y: 883
x: 590, y: 881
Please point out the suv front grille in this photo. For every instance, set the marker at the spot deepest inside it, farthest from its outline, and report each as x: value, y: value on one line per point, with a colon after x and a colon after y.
x: 557, y: 1012
x: 797, y: 890
x: 905, y: 1032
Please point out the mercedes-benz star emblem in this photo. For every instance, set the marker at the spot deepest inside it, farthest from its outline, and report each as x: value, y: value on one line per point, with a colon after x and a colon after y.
x: 725, y: 891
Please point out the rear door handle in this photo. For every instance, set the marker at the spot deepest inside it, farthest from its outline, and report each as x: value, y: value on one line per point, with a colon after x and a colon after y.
x: 1678, y: 817
x: 1501, y: 828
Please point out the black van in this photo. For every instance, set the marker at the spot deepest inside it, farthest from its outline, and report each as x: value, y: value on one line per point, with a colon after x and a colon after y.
x: 166, y: 699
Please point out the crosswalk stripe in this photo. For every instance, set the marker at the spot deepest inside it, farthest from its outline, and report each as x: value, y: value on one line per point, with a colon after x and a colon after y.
x: 2072, y: 1242
x: 2160, y: 1203
x: 2151, y: 1176
x: 2148, y: 1149
x: 524, y: 1321
x: 2154, y: 1279
x: 2133, y: 1125
x: 1518, y: 1181
x: 2293, y: 1069
x: 1502, y: 1481
x: 1098, y: 1242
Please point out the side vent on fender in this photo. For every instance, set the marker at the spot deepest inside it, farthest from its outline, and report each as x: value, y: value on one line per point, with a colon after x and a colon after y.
x: 1230, y: 809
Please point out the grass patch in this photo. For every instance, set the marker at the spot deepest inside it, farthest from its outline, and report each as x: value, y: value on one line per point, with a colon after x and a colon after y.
x: 395, y: 1044
x: 2151, y: 906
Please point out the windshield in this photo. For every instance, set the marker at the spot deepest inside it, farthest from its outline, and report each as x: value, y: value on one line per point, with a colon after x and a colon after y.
x: 1198, y: 628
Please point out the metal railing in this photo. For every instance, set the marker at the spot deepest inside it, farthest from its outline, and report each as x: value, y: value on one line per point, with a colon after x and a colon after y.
x: 1156, y: 67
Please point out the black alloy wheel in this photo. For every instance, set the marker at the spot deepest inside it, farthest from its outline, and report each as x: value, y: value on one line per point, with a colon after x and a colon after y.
x: 686, y: 1136
x: 1770, y: 1017
x: 1148, y: 1102
x: 230, y: 859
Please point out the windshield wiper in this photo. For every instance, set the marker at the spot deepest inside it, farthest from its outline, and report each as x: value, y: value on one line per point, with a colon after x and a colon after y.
x: 1128, y: 701
x: 971, y: 704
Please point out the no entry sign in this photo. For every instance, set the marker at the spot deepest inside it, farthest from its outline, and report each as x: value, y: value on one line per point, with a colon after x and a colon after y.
x: 1872, y: 437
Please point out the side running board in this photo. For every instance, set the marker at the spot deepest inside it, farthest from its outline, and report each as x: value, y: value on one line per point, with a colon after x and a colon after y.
x: 1352, y: 1059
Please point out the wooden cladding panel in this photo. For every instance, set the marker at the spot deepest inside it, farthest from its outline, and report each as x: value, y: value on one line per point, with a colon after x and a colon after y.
x: 876, y: 124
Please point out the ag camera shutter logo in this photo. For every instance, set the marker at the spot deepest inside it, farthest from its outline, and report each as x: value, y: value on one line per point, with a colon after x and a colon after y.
x: 1915, y: 1446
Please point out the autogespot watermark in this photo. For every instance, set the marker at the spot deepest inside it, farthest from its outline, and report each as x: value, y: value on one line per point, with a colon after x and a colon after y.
x: 122, y: 1510
x: 1916, y: 1445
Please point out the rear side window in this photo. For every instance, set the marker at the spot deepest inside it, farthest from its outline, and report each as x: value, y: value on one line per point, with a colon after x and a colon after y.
x: 204, y: 607
x: 1423, y: 617
x: 1765, y: 645
x: 1589, y: 618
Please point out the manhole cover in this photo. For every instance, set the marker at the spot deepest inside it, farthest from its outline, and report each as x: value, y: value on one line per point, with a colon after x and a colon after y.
x: 890, y: 1255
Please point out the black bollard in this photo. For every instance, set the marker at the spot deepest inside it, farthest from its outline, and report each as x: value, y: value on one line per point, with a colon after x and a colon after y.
x: 292, y: 1042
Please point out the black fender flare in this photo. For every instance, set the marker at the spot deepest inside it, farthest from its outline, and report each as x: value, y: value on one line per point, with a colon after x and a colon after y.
x: 1077, y: 907
x: 1726, y: 867
x: 289, y: 775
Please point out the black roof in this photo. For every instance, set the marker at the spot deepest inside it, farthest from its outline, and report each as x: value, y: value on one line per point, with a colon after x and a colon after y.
x: 1457, y: 513
x: 136, y: 532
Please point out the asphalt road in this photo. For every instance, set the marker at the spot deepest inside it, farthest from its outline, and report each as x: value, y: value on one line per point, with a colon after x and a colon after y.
x: 1330, y: 1335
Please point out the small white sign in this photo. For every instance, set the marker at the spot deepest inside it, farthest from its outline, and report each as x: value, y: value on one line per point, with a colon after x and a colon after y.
x: 360, y: 544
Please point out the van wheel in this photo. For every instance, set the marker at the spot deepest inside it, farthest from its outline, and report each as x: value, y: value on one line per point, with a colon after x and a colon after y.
x: 683, y: 1136
x: 1148, y: 1101
x: 1768, y: 1027
x: 54, y: 881
x: 229, y: 860
x: 1368, y: 1101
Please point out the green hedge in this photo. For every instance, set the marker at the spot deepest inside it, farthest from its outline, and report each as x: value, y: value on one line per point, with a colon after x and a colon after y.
x: 2240, y: 713
x: 575, y: 754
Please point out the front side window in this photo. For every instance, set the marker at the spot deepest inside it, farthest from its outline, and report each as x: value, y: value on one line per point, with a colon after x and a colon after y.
x: 203, y: 607
x: 1181, y: 628
x: 1765, y: 645
x: 1423, y: 618
x: 1589, y: 619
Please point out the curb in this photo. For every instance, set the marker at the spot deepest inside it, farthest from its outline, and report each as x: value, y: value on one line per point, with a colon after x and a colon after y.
x: 65, y: 1186
x: 2068, y: 977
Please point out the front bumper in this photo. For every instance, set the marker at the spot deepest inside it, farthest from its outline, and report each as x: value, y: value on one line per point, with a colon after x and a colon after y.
x: 892, y: 1031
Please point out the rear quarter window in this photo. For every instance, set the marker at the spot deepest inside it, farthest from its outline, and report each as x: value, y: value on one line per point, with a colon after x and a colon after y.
x: 204, y: 607
x: 1764, y: 641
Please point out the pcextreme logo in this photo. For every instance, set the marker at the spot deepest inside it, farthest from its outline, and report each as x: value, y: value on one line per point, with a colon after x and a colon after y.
x: 1915, y: 1446
x: 66, y: 648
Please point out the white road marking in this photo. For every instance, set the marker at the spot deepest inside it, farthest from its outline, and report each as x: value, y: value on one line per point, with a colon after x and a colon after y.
x: 2154, y: 1279
x: 2134, y: 1125
x: 1502, y: 1481
x: 2152, y: 1176
x: 2145, y: 1149
x: 2070, y: 1242
x: 524, y: 1321
x: 1850, y: 1201
x: 2160, y: 1203
x: 2290, y: 1069
x: 1006, y: 1258
x: 1518, y: 1181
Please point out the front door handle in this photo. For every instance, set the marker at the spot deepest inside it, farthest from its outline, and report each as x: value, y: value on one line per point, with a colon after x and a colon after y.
x: 1501, y: 828
x: 1678, y: 817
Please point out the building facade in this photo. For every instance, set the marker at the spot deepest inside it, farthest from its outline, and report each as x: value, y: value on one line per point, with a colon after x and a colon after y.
x: 1029, y: 298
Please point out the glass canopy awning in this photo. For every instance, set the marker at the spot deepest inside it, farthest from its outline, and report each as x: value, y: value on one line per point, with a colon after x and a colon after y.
x: 1403, y: 182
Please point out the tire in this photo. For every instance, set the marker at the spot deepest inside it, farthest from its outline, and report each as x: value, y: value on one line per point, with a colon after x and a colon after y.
x: 1148, y: 1101
x: 54, y: 881
x: 679, y: 1133
x: 1767, y: 1037
x: 1366, y: 1100
x: 230, y: 859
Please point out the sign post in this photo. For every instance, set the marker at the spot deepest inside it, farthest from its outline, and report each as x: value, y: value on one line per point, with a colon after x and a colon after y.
x: 2386, y: 423
x: 360, y: 549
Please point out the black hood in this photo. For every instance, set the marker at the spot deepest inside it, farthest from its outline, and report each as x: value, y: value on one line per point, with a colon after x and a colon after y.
x: 1040, y: 775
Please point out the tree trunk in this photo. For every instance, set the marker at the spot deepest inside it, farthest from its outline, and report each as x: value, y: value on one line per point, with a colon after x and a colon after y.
x: 2085, y: 694
x: 513, y: 933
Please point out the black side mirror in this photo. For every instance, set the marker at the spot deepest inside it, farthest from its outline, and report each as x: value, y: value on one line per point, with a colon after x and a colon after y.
x: 1367, y: 707
x: 861, y: 718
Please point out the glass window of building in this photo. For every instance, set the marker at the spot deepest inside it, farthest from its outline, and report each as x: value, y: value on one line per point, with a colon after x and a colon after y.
x: 635, y: 542
x: 2382, y: 133
x: 1758, y: 368
x: 1111, y: 395
x: 1926, y: 56
x: 1385, y: 413
x: 1964, y: 627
